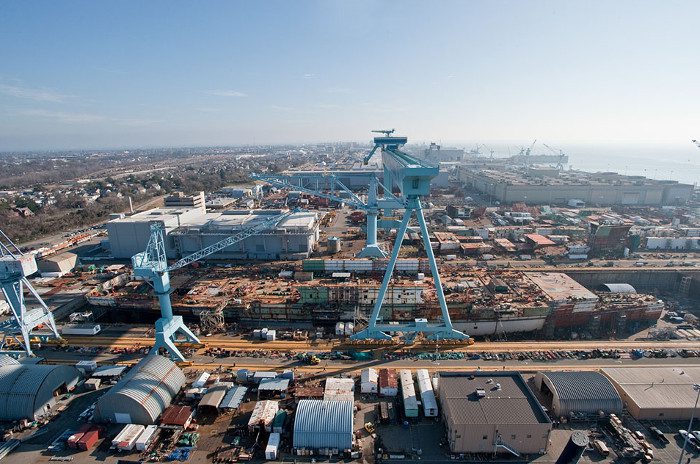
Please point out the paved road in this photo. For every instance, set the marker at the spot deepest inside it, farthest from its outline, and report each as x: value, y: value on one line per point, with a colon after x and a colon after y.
x: 270, y: 362
x: 130, y: 339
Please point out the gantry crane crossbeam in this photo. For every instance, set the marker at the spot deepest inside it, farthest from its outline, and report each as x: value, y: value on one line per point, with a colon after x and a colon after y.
x: 412, y: 177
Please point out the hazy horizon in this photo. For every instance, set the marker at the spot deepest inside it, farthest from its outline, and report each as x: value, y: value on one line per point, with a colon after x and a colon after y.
x: 132, y: 74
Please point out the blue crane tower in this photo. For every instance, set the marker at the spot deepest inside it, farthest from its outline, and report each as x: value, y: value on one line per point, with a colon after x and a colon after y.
x: 152, y: 266
x: 412, y: 178
x: 15, y: 267
x: 371, y: 207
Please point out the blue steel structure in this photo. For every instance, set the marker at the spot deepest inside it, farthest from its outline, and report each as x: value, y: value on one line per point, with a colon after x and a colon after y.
x: 15, y: 267
x: 412, y: 178
x: 372, y: 207
x: 152, y: 266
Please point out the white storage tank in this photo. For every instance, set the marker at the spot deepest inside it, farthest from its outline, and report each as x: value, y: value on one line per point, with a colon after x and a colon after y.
x: 349, y: 328
x: 271, y: 335
x: 339, y: 328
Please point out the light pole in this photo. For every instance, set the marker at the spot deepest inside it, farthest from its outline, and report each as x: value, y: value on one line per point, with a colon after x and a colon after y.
x: 696, y: 387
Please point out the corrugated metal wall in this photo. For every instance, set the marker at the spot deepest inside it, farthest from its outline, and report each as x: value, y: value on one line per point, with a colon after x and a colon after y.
x: 322, y: 424
x: 144, y: 392
x: 26, y: 389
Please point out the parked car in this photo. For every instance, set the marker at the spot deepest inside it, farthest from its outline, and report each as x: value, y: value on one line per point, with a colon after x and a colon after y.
x: 658, y: 434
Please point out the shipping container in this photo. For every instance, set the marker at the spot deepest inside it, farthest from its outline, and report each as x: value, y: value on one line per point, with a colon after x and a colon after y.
x: 201, y: 380
x: 92, y: 384
x: 146, y: 438
x: 89, y: 439
x: 369, y: 380
x: 80, y: 329
x: 408, y: 393
x: 72, y: 441
x: 425, y: 387
x: 272, y: 448
x: 86, y: 366
x: 126, y: 439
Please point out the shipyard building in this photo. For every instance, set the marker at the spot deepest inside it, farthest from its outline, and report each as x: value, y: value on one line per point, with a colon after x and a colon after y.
x: 30, y: 391
x: 656, y: 393
x: 552, y: 186
x: 572, y: 394
x: 142, y: 395
x: 189, y: 229
x: 492, y: 413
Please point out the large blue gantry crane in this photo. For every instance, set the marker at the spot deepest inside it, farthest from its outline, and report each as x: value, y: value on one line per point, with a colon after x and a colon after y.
x: 152, y: 266
x: 412, y: 178
x: 371, y: 207
x: 15, y: 267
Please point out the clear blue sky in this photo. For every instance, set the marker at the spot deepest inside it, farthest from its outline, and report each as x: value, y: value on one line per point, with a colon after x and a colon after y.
x: 166, y: 73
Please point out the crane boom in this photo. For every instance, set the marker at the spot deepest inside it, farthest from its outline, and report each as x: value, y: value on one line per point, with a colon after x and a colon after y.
x: 354, y: 200
x: 232, y: 240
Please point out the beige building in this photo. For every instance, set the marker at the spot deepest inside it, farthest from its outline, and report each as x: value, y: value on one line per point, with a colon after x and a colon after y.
x: 57, y: 265
x: 656, y: 393
x: 492, y: 412
x: 180, y: 200
x: 559, y: 187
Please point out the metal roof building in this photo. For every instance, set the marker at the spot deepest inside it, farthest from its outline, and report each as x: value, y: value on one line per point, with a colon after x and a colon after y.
x: 578, y: 392
x: 233, y: 398
x: 323, y: 424
x: 214, y: 396
x: 27, y: 391
x: 492, y: 412
x: 617, y: 288
x: 142, y: 394
x: 661, y: 393
x: 273, y: 385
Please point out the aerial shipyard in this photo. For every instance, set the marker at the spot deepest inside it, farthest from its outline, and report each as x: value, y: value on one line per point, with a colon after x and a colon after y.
x: 380, y: 303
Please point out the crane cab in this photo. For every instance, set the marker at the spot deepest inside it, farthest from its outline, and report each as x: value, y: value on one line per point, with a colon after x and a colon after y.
x: 24, y: 265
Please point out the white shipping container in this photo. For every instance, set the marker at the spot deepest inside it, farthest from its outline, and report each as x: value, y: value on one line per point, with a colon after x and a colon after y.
x: 272, y: 447
x: 86, y: 366
x: 146, y: 438
x: 126, y: 439
x: 425, y: 387
x: 80, y: 329
x: 369, y: 380
x: 201, y: 380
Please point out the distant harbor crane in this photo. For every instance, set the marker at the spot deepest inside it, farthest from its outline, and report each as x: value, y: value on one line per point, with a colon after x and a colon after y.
x: 15, y: 267
x: 152, y: 266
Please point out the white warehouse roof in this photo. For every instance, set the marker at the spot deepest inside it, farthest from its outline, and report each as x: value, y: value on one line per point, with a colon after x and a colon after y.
x: 323, y: 424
